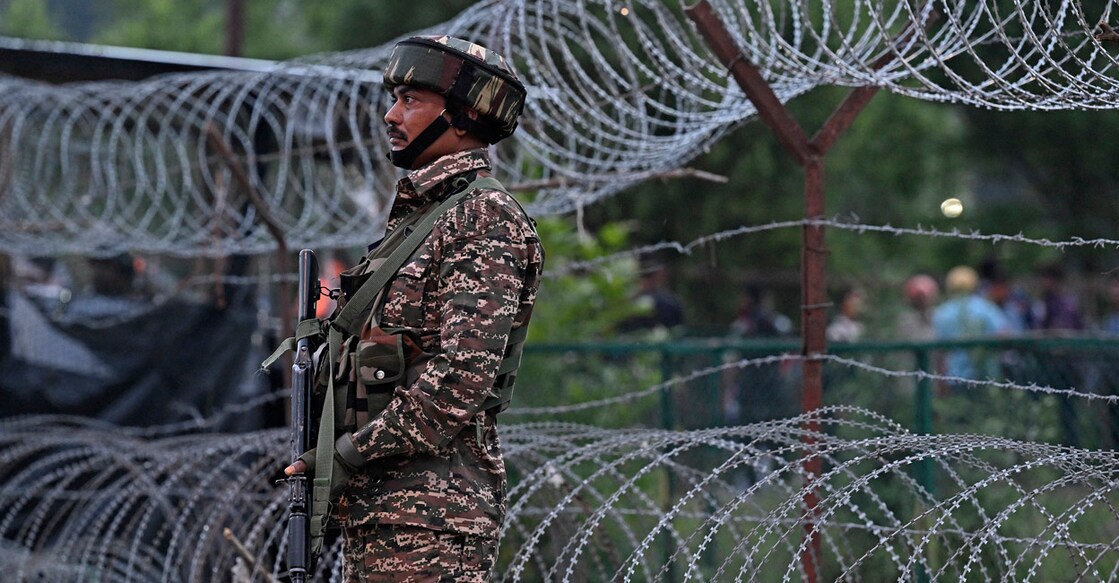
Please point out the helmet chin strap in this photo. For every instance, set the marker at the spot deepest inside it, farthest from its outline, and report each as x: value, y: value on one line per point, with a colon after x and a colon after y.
x: 406, y: 156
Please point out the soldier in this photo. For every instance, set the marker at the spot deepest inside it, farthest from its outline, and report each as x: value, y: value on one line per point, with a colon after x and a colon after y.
x: 423, y: 495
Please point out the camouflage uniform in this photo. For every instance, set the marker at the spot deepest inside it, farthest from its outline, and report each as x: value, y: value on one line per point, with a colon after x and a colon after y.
x: 433, y: 458
x: 410, y: 553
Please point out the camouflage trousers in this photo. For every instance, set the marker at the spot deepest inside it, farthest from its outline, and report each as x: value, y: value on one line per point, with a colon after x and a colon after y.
x: 412, y: 554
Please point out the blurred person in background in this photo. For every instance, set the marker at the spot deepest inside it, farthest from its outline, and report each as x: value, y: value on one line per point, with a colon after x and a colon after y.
x: 966, y: 314
x: 915, y: 322
x: 756, y: 318
x: 1057, y: 310
x: 1014, y: 302
x: 755, y: 393
x: 1110, y: 324
x: 1108, y: 377
x: 1057, y: 313
x: 847, y: 326
x: 660, y: 308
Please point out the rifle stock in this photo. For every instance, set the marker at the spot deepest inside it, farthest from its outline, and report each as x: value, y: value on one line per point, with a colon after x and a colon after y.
x: 302, y: 381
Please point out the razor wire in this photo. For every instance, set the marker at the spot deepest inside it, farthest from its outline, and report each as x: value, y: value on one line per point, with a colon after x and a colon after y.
x: 681, y: 383
x: 619, y: 91
x: 564, y: 267
x: 837, y: 223
x: 82, y: 499
x: 82, y: 502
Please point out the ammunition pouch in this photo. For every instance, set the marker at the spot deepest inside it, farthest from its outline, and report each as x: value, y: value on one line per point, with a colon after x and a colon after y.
x: 369, y: 369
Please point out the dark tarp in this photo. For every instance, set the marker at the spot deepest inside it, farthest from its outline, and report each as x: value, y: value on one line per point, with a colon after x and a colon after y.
x: 173, y: 362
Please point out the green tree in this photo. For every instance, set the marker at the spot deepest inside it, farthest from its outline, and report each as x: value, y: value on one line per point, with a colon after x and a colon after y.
x: 1052, y: 171
x: 895, y: 165
x: 354, y: 24
x: 176, y: 25
x: 274, y: 29
x: 584, y: 301
x: 583, y: 304
x: 29, y: 19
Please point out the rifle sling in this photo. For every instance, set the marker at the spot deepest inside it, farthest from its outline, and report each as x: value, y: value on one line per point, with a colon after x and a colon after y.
x: 348, y: 322
x: 309, y: 328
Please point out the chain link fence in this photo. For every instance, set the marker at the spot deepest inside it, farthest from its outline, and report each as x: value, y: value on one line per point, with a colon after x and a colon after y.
x: 1057, y: 390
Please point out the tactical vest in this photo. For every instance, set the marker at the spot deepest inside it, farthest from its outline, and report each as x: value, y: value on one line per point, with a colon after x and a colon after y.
x: 373, y: 364
x: 379, y: 364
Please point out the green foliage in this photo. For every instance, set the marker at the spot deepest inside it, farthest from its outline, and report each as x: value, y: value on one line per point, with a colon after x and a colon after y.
x: 28, y: 18
x: 350, y: 24
x: 895, y: 165
x: 583, y: 305
x: 897, y: 162
x: 278, y: 29
x: 1054, y: 172
x: 273, y: 29
x: 161, y: 24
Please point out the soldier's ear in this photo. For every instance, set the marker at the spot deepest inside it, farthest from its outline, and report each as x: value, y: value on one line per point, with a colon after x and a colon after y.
x: 471, y: 114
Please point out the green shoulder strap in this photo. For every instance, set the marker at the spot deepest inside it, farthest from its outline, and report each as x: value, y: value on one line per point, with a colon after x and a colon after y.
x: 347, y: 323
x: 349, y: 320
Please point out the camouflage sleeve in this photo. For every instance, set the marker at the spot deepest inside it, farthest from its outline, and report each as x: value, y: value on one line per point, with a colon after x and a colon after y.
x: 481, y: 249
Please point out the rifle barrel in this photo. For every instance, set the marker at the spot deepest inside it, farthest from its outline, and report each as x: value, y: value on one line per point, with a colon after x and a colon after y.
x: 302, y: 381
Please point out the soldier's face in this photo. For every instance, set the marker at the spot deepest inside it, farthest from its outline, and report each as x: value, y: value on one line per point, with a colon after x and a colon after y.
x: 412, y: 110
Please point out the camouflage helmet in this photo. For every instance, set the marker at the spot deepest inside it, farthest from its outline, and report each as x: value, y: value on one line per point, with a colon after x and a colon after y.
x: 463, y: 72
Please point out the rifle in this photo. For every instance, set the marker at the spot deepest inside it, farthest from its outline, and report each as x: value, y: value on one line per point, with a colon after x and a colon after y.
x: 302, y: 384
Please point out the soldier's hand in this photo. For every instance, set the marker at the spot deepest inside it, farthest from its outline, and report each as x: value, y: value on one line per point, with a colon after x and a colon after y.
x: 346, y: 462
x: 304, y: 465
x: 297, y: 467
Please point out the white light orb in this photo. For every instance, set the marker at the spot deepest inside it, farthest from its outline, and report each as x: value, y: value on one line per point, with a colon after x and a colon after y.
x: 952, y: 207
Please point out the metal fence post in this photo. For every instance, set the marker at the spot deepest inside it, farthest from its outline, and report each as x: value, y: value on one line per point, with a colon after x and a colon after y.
x: 668, y: 421
x: 924, y: 416
x: 924, y: 422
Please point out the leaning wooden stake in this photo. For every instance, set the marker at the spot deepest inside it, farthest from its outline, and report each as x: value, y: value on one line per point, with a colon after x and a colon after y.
x: 246, y: 555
